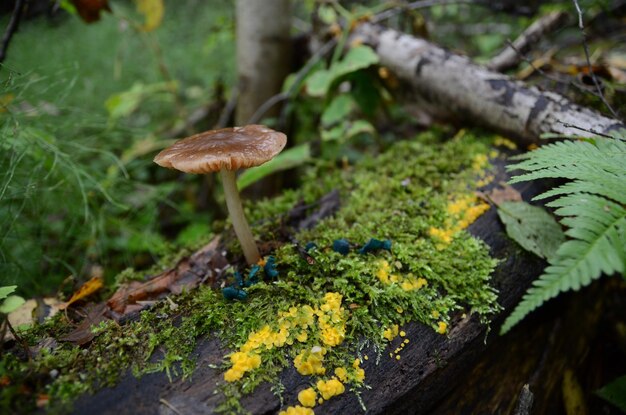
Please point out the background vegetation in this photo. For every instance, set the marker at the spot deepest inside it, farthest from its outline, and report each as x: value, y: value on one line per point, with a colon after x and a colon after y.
x: 84, y: 110
x: 83, y: 113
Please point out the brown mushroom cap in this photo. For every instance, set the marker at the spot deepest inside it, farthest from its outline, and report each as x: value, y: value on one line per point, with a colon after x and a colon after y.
x: 228, y: 148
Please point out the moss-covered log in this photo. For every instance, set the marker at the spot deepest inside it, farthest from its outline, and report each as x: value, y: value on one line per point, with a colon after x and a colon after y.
x: 410, y: 380
x: 394, y: 326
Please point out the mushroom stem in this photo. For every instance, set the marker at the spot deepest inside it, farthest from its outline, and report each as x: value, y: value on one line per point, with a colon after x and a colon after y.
x: 240, y: 224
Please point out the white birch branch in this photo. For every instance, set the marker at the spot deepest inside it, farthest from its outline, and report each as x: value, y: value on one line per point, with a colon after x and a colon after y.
x: 455, y: 87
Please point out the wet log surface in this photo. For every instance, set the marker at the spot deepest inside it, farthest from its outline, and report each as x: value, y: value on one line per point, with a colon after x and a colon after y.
x: 471, y: 370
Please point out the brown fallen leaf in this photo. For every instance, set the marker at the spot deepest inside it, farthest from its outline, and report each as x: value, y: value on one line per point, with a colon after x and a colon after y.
x: 504, y: 193
x: 84, y: 291
x: 187, y: 274
x: 83, y: 333
x: 42, y: 400
x: 89, y: 10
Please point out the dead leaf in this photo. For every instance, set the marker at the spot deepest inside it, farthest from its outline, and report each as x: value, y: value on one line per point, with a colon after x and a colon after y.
x: 84, y: 291
x: 42, y: 400
x: 83, y: 333
x: 573, y: 396
x: 89, y: 10
x: 137, y: 291
x: 186, y: 275
x: 152, y: 11
x: 504, y: 193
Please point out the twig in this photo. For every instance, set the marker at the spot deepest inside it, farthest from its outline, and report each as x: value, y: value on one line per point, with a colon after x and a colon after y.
x: 273, y: 100
x: 170, y: 406
x: 512, y: 54
x: 302, y: 73
x: 524, y: 402
x: 588, y: 58
x: 19, y: 339
x: 587, y: 130
x: 546, y: 75
x: 421, y: 4
x: 14, y: 24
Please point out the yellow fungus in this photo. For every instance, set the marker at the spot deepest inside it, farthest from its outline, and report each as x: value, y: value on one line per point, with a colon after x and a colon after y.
x: 330, y: 388
x: 310, y: 362
x: 341, y: 373
x: 479, y: 162
x: 297, y: 410
x: 242, y: 362
x: 302, y: 337
x: 391, y: 332
x: 307, y: 397
x: 504, y: 142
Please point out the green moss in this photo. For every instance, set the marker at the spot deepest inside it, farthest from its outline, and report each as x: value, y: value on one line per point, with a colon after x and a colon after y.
x: 399, y: 195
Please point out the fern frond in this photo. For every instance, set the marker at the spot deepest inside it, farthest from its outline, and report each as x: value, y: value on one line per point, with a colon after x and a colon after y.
x: 592, y: 206
x: 583, y: 210
x: 576, y: 264
x: 613, y: 190
x: 572, y: 159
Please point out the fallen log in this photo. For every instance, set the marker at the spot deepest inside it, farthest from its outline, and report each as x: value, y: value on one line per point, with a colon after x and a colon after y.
x: 451, y: 86
x: 431, y: 364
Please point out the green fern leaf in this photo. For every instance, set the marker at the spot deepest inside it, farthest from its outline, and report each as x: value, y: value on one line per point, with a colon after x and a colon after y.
x: 592, y: 206
x: 613, y: 190
x: 571, y: 159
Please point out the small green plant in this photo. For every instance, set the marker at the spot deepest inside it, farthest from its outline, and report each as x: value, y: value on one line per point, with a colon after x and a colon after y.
x: 8, y: 304
x: 591, y: 204
x: 615, y: 393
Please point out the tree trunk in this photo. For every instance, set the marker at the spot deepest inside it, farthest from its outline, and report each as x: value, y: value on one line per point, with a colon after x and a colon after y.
x: 263, y: 52
x: 454, y: 87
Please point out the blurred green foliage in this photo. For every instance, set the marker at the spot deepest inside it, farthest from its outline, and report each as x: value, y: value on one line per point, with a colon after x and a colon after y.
x: 83, y: 108
x: 81, y: 114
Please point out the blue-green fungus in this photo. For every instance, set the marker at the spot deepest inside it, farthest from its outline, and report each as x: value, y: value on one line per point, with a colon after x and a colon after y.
x: 342, y: 246
x: 309, y: 246
x: 253, y: 277
x: 270, y: 267
x: 374, y: 245
x: 233, y: 293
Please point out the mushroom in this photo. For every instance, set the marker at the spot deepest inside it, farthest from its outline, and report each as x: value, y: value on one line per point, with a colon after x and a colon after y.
x: 226, y: 151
